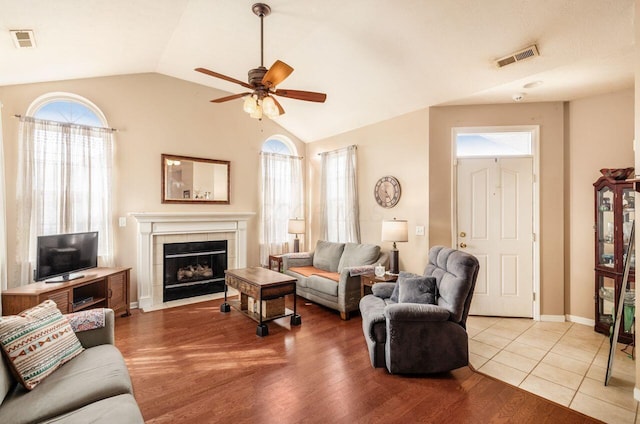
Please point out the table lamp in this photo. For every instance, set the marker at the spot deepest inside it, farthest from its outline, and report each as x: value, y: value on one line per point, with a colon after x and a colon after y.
x: 296, y: 226
x: 394, y: 230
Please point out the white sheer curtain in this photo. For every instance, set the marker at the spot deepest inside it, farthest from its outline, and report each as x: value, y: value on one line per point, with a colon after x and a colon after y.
x: 281, y: 200
x: 63, y: 186
x: 339, y: 196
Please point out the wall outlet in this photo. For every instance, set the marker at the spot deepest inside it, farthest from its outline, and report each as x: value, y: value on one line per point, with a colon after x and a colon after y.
x: 122, y: 221
x: 419, y: 230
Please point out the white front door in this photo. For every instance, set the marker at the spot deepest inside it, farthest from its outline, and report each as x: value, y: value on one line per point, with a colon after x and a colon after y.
x: 495, y: 224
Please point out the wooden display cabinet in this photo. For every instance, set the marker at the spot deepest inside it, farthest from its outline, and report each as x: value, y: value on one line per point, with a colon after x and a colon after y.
x: 614, y: 216
x: 99, y: 288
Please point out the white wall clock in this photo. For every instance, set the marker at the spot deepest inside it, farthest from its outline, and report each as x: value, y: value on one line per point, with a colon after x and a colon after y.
x: 387, y: 191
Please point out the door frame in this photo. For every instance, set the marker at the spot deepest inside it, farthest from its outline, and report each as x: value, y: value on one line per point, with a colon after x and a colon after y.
x: 535, y: 149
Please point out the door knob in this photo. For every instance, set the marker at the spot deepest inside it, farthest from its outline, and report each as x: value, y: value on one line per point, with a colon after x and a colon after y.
x: 463, y: 245
x: 463, y: 234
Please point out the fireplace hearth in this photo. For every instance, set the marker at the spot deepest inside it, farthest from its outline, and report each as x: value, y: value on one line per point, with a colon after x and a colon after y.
x: 193, y: 269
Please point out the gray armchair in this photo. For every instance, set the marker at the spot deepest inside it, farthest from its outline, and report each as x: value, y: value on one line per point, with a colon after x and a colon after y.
x: 421, y: 338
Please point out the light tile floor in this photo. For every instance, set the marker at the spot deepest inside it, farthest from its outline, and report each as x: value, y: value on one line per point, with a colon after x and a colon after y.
x: 563, y: 362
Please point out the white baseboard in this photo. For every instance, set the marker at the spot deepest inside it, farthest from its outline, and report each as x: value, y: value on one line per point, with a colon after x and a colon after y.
x: 581, y: 320
x: 133, y: 305
x: 552, y: 318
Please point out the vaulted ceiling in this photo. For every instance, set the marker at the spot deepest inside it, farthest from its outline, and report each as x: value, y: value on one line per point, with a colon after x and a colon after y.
x: 375, y: 59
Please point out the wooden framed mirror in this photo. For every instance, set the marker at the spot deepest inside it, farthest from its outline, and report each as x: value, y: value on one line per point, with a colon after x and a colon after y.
x: 195, y: 180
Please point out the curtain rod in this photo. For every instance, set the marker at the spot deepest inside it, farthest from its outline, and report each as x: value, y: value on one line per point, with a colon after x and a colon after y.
x: 353, y: 146
x: 65, y: 123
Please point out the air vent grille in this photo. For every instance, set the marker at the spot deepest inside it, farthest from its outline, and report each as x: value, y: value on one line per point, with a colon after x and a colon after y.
x: 518, y: 56
x: 23, y: 38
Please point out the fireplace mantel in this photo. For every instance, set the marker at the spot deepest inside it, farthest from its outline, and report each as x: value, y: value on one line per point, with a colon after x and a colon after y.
x: 152, y: 224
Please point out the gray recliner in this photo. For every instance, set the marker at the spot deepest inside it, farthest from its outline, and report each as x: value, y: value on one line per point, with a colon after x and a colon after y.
x: 418, y: 338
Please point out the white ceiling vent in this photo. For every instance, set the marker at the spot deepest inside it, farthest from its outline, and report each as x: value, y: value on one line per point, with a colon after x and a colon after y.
x: 23, y: 38
x: 518, y: 56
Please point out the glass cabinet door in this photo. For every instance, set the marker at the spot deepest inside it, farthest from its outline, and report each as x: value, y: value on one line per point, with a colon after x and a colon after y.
x: 606, y: 299
x: 606, y: 234
x: 628, y: 216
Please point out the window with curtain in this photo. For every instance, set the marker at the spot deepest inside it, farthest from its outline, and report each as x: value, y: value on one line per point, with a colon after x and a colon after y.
x: 64, y: 177
x: 339, y: 196
x: 281, y: 196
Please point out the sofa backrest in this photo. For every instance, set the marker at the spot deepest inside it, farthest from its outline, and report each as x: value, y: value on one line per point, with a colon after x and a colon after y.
x: 456, y: 273
x: 327, y: 255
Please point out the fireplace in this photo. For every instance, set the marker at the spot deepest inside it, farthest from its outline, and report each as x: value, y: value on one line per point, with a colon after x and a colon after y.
x: 193, y: 269
x: 158, y: 228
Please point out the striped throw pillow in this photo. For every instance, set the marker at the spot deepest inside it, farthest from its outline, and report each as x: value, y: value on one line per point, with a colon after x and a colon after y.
x: 37, y: 342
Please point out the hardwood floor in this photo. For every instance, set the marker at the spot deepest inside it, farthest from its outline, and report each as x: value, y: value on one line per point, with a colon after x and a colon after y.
x: 195, y: 364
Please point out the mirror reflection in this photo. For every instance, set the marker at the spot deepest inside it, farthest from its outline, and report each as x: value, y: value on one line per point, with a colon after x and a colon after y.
x: 194, y: 180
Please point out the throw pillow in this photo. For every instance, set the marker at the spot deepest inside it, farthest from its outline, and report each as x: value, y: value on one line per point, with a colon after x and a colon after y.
x: 401, y: 277
x: 417, y: 290
x: 37, y: 341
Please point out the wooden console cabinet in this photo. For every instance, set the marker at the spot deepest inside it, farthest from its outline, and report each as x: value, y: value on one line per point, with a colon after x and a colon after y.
x: 99, y: 288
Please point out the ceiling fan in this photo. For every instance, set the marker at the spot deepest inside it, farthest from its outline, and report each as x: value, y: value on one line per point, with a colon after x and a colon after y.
x: 262, y: 82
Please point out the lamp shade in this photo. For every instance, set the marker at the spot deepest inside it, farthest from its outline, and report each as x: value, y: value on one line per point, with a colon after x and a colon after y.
x: 296, y: 226
x: 395, y: 230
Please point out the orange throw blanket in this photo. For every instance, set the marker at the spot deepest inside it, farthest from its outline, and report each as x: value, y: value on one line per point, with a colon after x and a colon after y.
x: 308, y: 271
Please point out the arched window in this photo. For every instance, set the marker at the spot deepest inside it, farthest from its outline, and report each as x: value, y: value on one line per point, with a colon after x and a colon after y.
x: 64, y: 174
x: 280, y: 195
x: 279, y: 145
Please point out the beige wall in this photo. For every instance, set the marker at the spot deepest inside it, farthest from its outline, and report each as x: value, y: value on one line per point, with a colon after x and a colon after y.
x: 398, y: 147
x: 600, y: 136
x: 550, y: 118
x: 154, y: 114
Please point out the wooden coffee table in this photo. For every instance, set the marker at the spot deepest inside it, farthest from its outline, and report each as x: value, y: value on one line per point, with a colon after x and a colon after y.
x: 267, y: 289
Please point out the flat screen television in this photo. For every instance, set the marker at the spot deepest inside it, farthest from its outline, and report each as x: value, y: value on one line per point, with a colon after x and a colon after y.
x: 60, y: 256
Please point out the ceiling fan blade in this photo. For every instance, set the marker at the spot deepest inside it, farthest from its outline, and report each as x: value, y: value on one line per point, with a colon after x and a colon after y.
x: 226, y: 99
x: 278, y: 72
x: 278, y: 105
x: 224, y: 77
x: 309, y: 96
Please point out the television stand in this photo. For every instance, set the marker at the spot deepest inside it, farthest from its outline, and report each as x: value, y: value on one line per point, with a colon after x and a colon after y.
x: 97, y: 288
x: 66, y: 277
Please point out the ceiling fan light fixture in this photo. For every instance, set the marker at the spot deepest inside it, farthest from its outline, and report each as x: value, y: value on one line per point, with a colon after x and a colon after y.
x: 269, y: 108
x: 257, y: 114
x: 250, y: 104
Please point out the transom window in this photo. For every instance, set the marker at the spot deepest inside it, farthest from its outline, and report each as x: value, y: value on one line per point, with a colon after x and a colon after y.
x: 494, y: 144
x: 70, y: 112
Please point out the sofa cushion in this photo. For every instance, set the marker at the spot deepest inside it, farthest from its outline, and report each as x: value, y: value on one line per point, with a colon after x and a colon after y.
x: 327, y: 255
x: 308, y: 271
x: 323, y: 285
x: 116, y: 409
x: 417, y: 290
x: 97, y: 373
x: 355, y: 254
x: 37, y: 341
x: 401, y: 277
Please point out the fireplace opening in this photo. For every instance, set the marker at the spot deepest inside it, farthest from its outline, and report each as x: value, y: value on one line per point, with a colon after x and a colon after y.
x: 193, y: 269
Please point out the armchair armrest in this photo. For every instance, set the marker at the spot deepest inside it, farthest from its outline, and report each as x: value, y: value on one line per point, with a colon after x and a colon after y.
x: 290, y: 260
x: 98, y: 336
x: 415, y: 312
x: 383, y: 290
